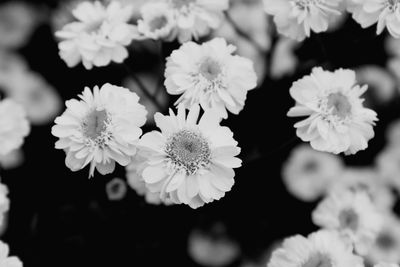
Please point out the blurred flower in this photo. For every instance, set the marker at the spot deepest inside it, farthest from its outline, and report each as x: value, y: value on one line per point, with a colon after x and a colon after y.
x: 101, y: 128
x: 283, y: 61
x: 322, y: 248
x: 387, y: 162
x: 4, y: 205
x: 212, y: 249
x: 337, y: 120
x: 211, y: 76
x: 353, y: 214
x: 14, y: 126
x: 12, y: 160
x: 308, y: 174
x: 98, y: 37
x: 190, y: 163
x: 385, y: 264
x: 5, y: 259
x: 116, y: 189
x: 18, y: 20
x: 296, y: 19
x: 383, y: 12
x: 393, y: 134
x: 386, y: 246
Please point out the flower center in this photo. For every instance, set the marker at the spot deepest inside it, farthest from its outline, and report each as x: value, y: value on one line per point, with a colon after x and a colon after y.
x: 305, y: 4
x: 348, y: 219
x: 385, y: 240
x: 310, y: 166
x: 210, y: 69
x: 178, y: 4
x: 93, y: 27
x: 318, y: 260
x: 95, y: 124
x: 188, y: 150
x: 393, y: 5
x: 158, y: 23
x: 340, y: 105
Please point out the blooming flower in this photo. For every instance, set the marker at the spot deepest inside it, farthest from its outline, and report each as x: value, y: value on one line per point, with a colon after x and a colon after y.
x: 190, y: 162
x: 384, y: 12
x: 101, y: 128
x: 5, y: 259
x: 337, y: 120
x: 297, y: 18
x: 322, y: 248
x: 14, y: 126
x: 116, y: 189
x: 308, y: 174
x: 352, y: 214
x: 99, y: 36
x: 210, y: 75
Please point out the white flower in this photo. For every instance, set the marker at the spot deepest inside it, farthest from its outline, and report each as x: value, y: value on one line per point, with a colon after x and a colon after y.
x: 308, y: 173
x: 14, y: 126
x: 5, y: 259
x: 387, y: 244
x: 4, y: 203
x: 99, y: 35
x: 387, y: 162
x: 322, y: 248
x: 297, y: 18
x: 210, y: 75
x: 12, y: 160
x: 384, y: 12
x: 101, y: 128
x: 190, y: 162
x: 352, y: 214
x: 116, y: 189
x: 284, y: 60
x: 337, y: 120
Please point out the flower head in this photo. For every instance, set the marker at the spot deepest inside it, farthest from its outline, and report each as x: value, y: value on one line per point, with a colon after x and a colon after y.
x: 5, y: 259
x: 338, y: 121
x: 190, y: 162
x: 99, y: 35
x: 101, y: 128
x: 211, y: 76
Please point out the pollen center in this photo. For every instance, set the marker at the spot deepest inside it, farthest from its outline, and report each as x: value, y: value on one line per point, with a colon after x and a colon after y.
x: 188, y: 150
x: 210, y: 69
x: 94, y: 26
x: 95, y: 124
x: 340, y: 105
x: 385, y: 241
x: 318, y: 260
x: 348, y: 219
x: 158, y: 23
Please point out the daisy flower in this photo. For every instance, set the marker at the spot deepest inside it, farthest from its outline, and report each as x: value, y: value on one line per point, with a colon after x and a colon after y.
x: 190, y: 162
x: 322, y: 248
x: 99, y: 35
x: 14, y: 126
x: 211, y: 76
x: 102, y: 128
x: 384, y: 12
x: 297, y: 18
x: 352, y: 214
x: 308, y: 174
x: 5, y: 259
x: 337, y: 120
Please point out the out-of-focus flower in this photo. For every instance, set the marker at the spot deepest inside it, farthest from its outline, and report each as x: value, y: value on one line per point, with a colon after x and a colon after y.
x: 322, y: 248
x: 116, y: 189
x: 384, y: 12
x: 366, y: 180
x: 353, y: 214
x: 297, y: 18
x: 18, y: 20
x: 385, y: 264
x: 5, y: 259
x: 283, y: 61
x: 99, y: 35
x: 337, y: 120
x: 212, y: 249
x: 12, y: 160
x: 14, y: 126
x: 190, y: 162
x: 386, y: 246
x: 387, y: 162
x: 211, y: 76
x: 4, y: 204
x: 393, y: 134
x: 102, y: 128
x: 308, y: 173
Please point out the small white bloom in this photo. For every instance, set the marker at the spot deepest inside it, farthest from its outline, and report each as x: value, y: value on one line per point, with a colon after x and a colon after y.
x: 322, y: 248
x: 99, y: 35
x: 211, y: 76
x: 337, y: 120
x: 384, y: 12
x: 297, y: 18
x: 190, y: 162
x: 14, y: 126
x: 101, y: 128
x: 308, y: 173
x: 5, y: 259
x: 116, y: 189
x: 352, y: 214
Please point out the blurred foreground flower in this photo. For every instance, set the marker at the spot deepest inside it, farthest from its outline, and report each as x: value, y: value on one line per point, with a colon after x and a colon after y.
x: 5, y: 259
